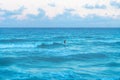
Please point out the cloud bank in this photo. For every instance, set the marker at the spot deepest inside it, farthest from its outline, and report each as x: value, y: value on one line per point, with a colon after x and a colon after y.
x: 21, y: 9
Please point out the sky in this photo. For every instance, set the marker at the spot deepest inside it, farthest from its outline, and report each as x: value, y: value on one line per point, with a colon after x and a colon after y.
x: 59, y: 13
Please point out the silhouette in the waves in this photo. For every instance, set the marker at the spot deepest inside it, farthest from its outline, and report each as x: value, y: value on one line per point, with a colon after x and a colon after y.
x: 64, y: 41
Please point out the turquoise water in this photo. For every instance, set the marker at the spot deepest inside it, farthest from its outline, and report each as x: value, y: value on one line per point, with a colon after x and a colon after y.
x: 40, y: 54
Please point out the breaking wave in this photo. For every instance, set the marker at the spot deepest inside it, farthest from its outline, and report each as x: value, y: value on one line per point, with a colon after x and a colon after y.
x: 53, y: 45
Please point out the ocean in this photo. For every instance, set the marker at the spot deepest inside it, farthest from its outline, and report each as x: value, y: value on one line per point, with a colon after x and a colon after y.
x: 41, y: 54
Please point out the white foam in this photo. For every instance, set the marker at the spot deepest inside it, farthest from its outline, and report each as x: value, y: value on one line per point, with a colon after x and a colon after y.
x: 17, y: 46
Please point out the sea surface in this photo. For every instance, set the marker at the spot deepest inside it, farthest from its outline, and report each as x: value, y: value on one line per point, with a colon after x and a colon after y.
x: 40, y: 54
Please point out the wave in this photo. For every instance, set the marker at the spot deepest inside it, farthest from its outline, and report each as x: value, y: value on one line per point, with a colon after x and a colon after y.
x: 62, y: 59
x: 15, y: 40
x: 28, y: 74
x: 61, y: 37
x: 52, y: 59
x: 113, y: 64
x: 107, y: 43
x: 6, y: 61
x: 12, y: 40
x: 108, y: 64
x: 17, y: 46
x: 95, y: 37
x: 53, y: 45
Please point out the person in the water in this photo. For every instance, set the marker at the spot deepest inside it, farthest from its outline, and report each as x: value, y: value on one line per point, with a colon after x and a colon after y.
x: 64, y: 41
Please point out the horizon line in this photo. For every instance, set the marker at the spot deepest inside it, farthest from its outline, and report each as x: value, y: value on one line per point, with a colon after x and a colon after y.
x: 59, y: 27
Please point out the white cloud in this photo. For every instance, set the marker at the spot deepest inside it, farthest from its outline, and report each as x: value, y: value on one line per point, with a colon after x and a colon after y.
x: 52, y: 8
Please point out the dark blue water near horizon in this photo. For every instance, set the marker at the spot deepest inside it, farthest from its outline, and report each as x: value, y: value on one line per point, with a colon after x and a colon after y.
x: 40, y: 54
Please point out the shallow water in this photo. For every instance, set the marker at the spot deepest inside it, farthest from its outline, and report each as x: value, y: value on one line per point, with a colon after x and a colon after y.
x: 40, y: 54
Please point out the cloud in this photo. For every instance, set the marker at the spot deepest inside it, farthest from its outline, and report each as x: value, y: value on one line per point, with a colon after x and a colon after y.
x: 53, y: 8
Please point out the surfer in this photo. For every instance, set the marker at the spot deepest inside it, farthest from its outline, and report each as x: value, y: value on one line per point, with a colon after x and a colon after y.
x: 64, y: 41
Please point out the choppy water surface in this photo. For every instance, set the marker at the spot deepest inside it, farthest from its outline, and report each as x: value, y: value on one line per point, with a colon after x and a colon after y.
x: 40, y: 54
